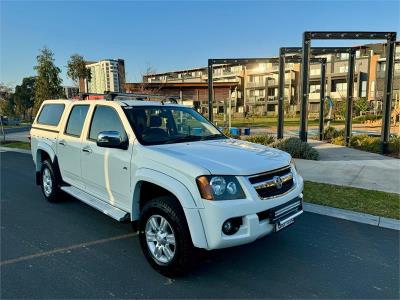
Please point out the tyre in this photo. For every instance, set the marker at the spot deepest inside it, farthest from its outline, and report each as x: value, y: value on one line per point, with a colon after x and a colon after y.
x: 165, y: 238
x: 49, y: 183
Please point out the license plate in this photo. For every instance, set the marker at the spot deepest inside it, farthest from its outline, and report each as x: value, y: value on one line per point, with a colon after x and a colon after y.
x: 280, y: 226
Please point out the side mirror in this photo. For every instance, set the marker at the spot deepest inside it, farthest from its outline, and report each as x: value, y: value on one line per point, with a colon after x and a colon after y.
x: 112, y: 139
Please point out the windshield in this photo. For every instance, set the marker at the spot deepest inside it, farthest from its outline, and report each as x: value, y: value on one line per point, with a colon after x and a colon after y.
x: 154, y: 125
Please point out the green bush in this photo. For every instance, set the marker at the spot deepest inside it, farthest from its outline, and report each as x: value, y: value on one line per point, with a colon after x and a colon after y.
x: 365, y: 142
x: 363, y: 119
x: 260, y: 139
x: 331, y: 132
x: 296, y: 148
x: 394, y: 145
x: 338, y: 141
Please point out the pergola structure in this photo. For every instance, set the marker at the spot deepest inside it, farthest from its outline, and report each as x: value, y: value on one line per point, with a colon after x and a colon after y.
x: 390, y: 37
x: 315, y: 51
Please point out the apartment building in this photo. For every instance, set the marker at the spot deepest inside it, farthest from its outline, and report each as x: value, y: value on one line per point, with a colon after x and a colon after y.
x: 70, y: 91
x: 107, y: 75
x: 252, y: 84
x: 256, y: 92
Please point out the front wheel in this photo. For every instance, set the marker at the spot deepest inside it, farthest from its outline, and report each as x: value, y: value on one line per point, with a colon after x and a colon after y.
x: 165, y: 237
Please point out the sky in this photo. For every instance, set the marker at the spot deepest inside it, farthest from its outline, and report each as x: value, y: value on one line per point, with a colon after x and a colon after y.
x: 171, y: 35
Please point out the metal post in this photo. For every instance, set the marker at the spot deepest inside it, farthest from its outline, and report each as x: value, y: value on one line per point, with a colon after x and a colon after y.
x: 387, y: 93
x: 210, y: 91
x: 230, y: 110
x: 350, y: 91
x: 281, y: 93
x: 321, y: 103
x: 305, y: 62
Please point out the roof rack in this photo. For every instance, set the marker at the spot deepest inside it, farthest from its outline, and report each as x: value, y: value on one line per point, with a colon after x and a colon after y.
x: 112, y: 96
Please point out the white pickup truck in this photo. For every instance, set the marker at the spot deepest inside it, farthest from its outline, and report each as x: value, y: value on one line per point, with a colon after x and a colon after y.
x: 165, y: 168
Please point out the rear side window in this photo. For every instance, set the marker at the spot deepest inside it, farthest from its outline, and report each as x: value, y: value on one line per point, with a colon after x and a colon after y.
x: 51, y: 114
x: 105, y: 118
x: 76, y: 120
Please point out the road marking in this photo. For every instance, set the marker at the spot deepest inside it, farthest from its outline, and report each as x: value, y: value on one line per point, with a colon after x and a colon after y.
x: 73, y: 247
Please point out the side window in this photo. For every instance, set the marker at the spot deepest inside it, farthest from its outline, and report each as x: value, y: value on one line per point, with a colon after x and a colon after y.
x: 105, y: 118
x: 76, y: 120
x: 51, y: 114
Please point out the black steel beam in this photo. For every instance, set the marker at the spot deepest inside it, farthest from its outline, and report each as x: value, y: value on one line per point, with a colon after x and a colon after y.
x: 317, y: 50
x: 322, y: 99
x: 281, y: 95
x: 210, y: 90
x: 347, y: 35
x: 349, y: 98
x: 387, y: 93
x: 305, y: 54
x: 215, y: 61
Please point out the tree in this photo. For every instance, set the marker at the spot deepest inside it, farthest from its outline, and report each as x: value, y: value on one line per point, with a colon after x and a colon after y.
x: 7, y: 107
x: 77, y: 69
x: 361, y: 105
x: 48, y: 81
x: 144, y: 87
x: 24, y: 96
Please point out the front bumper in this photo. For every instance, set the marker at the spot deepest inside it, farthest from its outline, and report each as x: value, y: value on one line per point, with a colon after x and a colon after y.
x: 257, y: 215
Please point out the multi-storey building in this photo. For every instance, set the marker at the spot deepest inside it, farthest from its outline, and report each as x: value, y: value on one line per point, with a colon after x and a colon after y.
x: 252, y: 94
x: 106, y: 75
x: 70, y: 91
x: 257, y: 83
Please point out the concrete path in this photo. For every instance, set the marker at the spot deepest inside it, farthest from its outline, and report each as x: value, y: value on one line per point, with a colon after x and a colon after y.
x: 18, y: 136
x: 350, y: 167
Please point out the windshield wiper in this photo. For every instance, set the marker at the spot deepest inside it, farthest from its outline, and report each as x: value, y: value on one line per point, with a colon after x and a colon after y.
x: 186, y: 138
x: 213, y: 137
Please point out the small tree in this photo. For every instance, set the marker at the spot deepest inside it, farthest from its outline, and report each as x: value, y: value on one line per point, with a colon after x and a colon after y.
x: 360, y: 105
x: 48, y: 81
x: 7, y: 106
x: 77, y: 69
x: 24, y: 96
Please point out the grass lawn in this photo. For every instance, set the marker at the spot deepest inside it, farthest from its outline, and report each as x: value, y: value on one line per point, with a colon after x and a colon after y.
x: 16, y: 144
x: 365, y: 201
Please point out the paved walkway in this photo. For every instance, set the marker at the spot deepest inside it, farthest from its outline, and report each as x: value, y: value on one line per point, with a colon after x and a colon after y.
x: 350, y: 167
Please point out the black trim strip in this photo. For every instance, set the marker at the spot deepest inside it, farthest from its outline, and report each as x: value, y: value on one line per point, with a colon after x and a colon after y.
x: 45, y: 129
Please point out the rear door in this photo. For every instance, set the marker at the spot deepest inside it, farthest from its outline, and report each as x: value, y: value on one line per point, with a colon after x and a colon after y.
x: 106, y: 171
x: 69, y: 145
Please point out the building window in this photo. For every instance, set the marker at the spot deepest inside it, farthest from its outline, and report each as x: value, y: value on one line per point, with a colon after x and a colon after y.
x: 314, y: 88
x: 340, y: 87
x: 315, y: 72
x: 363, y: 89
x: 343, y: 69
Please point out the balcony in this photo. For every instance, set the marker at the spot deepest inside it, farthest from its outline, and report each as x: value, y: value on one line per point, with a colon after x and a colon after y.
x: 259, y: 84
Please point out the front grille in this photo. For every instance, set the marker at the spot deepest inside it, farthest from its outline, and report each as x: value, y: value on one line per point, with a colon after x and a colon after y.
x: 273, y: 183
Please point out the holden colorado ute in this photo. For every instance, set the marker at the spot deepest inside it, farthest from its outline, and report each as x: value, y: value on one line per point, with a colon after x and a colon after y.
x: 167, y: 169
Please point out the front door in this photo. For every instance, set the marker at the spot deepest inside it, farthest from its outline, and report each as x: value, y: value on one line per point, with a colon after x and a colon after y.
x: 69, y: 146
x: 106, y: 171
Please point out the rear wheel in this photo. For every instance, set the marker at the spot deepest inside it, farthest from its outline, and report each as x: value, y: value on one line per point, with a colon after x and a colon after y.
x: 165, y: 237
x: 49, y: 184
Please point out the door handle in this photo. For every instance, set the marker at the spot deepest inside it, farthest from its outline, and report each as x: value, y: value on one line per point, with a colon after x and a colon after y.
x: 87, y: 149
x: 61, y: 142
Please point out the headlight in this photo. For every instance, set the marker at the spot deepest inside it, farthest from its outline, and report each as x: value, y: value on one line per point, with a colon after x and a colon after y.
x: 293, y: 163
x: 219, y: 188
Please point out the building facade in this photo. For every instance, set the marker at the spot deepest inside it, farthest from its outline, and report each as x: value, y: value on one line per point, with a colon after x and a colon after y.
x: 106, y: 75
x: 70, y: 92
x: 256, y: 92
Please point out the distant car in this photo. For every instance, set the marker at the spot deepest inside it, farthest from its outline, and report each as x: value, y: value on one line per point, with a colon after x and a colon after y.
x: 169, y: 169
x: 10, y: 121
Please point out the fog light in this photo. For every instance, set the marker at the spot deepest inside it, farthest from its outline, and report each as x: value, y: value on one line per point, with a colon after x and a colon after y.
x: 231, y: 226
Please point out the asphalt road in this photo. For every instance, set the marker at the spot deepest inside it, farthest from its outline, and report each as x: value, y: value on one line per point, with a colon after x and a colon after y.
x: 69, y: 250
